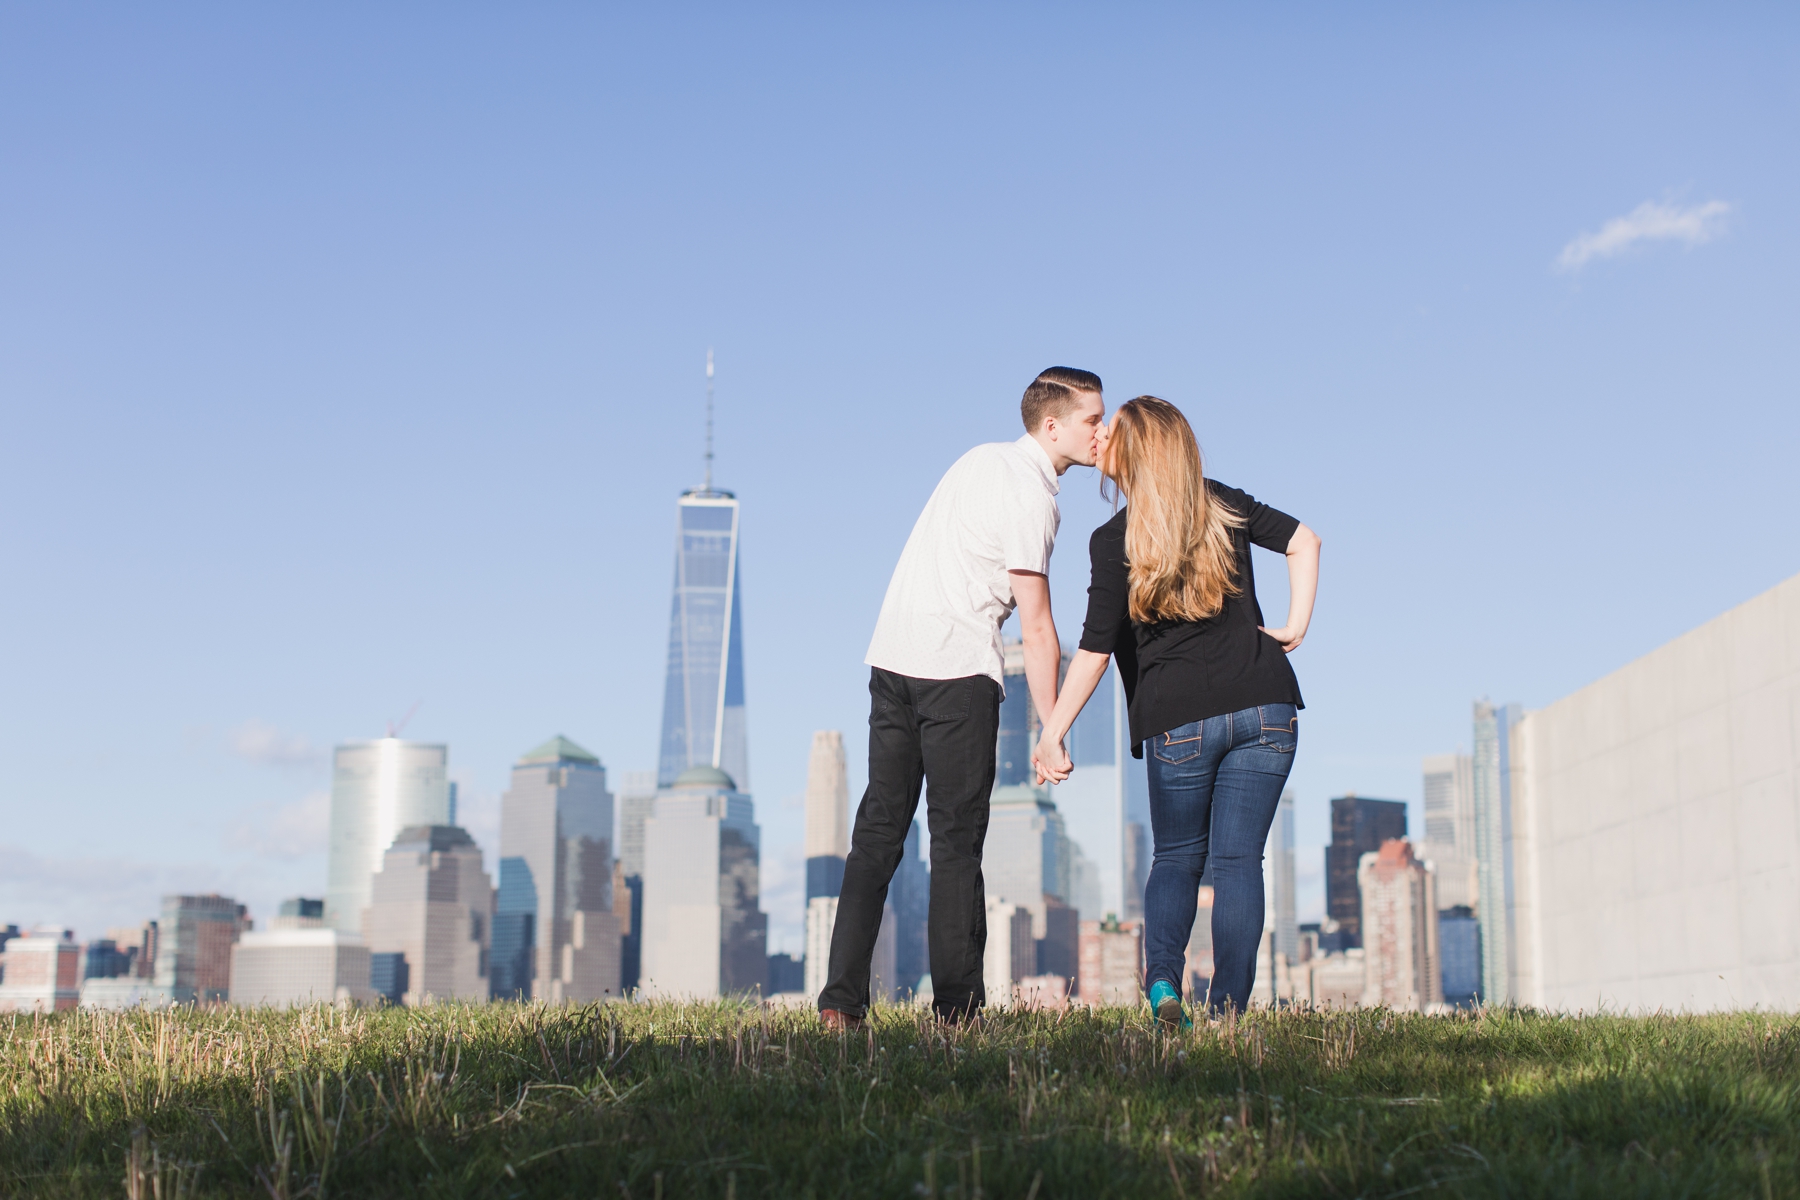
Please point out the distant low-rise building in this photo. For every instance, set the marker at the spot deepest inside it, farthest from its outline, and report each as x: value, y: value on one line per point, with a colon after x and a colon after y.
x: 1011, y: 952
x: 1112, y: 961
x: 40, y: 971
x: 193, y: 947
x: 296, y: 965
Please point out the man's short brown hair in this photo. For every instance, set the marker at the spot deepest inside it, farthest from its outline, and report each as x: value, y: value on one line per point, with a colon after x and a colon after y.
x: 1053, y: 393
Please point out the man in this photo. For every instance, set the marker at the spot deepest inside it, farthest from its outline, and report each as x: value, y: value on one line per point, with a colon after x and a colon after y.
x: 981, y: 547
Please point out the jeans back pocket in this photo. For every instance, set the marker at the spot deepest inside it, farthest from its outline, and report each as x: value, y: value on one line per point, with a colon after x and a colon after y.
x: 1180, y: 744
x: 1280, y: 726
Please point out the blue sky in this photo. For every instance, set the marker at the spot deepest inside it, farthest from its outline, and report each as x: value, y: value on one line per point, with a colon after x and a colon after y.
x: 352, y: 357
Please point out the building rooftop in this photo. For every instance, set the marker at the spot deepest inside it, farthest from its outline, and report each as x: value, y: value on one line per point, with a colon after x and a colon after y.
x: 705, y: 777
x: 436, y: 837
x: 560, y: 749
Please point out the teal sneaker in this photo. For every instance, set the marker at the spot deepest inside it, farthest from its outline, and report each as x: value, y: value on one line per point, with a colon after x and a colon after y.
x: 1165, y: 1002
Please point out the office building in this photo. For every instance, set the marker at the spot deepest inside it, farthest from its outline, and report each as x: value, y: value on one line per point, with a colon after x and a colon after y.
x: 1198, y: 964
x: 909, y: 896
x: 827, y: 815
x: 787, y: 974
x: 390, y: 978
x: 1400, y: 929
x: 1449, y: 843
x: 1496, y: 901
x: 703, y: 693
x: 302, y: 961
x: 1029, y: 860
x: 1459, y: 945
x: 194, y: 940
x: 40, y: 971
x: 140, y: 943
x: 821, y: 918
x: 106, y: 959
x: 1358, y: 827
x: 637, y: 799
x: 1011, y: 952
x: 1654, y: 839
x: 1282, y: 918
x: 705, y: 934
x: 431, y: 903
x: 1112, y: 962
x: 378, y: 788
x: 555, y: 935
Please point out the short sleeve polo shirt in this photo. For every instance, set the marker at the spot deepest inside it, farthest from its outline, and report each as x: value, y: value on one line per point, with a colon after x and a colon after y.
x: 993, y: 512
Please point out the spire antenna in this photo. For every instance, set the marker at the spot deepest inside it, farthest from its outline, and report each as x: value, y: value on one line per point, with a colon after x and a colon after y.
x: 709, y: 417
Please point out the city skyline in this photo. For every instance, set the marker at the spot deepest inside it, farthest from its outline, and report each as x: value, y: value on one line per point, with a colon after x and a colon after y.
x: 276, y: 461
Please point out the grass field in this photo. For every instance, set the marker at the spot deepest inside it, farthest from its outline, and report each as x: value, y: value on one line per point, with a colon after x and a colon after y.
x: 652, y: 1100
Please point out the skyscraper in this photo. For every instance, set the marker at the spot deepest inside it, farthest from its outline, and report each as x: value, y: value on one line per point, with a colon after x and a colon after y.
x: 703, y: 694
x: 1492, y: 774
x: 556, y: 937
x: 1358, y: 827
x: 378, y: 788
x: 705, y: 934
x: 1450, y: 827
x: 430, y: 903
x: 909, y: 896
x: 1282, y: 917
x: 827, y: 815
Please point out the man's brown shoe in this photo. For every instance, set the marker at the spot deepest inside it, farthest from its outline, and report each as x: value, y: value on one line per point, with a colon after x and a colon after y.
x: 841, y: 1022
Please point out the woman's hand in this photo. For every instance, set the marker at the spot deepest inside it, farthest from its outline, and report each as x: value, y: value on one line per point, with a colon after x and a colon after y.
x: 1051, y: 760
x: 1289, y: 637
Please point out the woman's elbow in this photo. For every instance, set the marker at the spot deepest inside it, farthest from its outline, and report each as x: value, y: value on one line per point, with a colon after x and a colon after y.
x: 1305, y: 540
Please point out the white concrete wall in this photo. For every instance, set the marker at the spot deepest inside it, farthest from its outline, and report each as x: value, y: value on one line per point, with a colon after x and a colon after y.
x: 1659, y: 858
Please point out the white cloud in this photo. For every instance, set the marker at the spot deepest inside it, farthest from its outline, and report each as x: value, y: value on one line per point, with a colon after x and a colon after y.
x: 265, y: 745
x: 89, y: 894
x: 1651, y: 221
x: 286, y: 831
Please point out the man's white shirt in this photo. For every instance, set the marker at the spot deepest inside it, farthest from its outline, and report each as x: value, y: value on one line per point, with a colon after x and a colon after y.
x: 994, y: 511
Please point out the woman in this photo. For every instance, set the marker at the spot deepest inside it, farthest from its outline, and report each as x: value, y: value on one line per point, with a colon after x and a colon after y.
x: 1208, y: 688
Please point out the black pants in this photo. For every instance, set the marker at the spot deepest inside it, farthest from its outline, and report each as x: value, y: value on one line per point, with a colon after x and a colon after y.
x: 939, y: 732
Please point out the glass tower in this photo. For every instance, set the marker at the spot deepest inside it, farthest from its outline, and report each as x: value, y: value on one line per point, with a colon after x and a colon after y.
x: 378, y: 788
x: 703, y: 695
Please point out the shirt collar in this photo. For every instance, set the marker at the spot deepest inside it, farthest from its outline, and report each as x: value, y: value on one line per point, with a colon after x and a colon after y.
x: 1040, y: 459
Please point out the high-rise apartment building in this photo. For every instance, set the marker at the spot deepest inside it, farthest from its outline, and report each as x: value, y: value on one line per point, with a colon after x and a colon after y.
x: 556, y: 937
x: 378, y: 788
x: 1400, y: 929
x: 1491, y: 772
x: 1282, y: 919
x: 1358, y: 826
x: 193, y: 947
x: 1450, y: 827
x: 827, y: 815
x: 705, y: 933
x: 431, y: 903
x: 703, y: 693
x: 40, y: 971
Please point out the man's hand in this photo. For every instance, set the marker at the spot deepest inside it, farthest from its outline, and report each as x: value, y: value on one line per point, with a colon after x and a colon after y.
x: 1052, y: 761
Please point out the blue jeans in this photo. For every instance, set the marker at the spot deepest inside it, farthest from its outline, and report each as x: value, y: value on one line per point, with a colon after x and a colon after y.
x: 1214, y: 785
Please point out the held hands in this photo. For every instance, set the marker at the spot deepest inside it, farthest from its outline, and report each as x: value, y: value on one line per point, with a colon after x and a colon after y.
x: 1051, y: 761
x: 1289, y: 637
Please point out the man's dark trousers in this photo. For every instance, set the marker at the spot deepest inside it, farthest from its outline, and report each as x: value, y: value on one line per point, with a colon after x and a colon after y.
x: 940, y: 733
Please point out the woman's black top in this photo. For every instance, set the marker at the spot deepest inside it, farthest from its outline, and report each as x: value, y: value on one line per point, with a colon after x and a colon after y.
x: 1176, y: 672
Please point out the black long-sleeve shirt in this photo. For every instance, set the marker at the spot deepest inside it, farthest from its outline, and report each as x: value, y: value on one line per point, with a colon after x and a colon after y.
x: 1176, y: 672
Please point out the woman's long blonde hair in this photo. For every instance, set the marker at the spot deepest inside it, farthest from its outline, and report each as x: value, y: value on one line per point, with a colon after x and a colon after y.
x: 1177, y: 541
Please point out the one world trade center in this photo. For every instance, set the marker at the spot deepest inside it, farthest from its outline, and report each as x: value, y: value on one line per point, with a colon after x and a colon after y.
x: 703, y: 697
